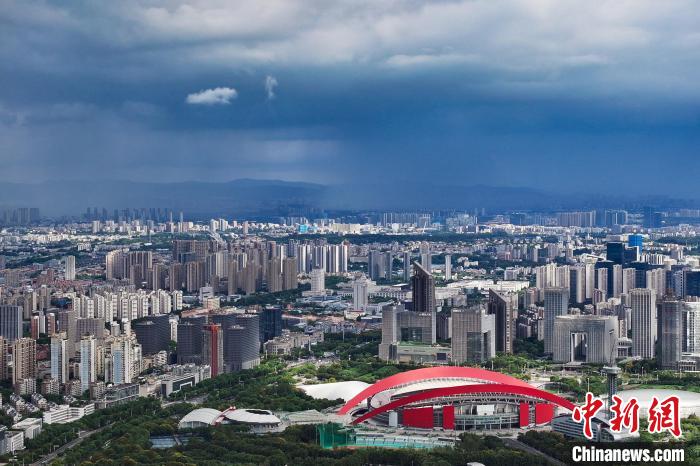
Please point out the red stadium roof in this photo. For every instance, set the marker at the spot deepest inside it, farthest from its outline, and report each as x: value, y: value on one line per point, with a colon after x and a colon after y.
x: 441, y: 372
x: 470, y: 389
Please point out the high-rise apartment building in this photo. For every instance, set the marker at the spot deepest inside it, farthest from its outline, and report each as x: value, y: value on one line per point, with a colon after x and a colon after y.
x: 69, y: 265
x: 88, y: 359
x: 643, y: 322
x: 10, y: 322
x: 59, y: 358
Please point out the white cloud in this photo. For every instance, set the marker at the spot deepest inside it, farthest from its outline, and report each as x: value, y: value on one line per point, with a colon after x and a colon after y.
x: 270, y: 85
x: 609, y: 44
x: 402, y: 60
x: 216, y: 96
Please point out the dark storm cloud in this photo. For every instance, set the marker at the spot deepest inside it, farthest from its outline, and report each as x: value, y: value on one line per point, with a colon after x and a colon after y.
x: 564, y: 95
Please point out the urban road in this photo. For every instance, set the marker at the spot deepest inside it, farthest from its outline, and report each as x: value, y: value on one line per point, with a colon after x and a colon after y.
x: 46, y: 459
x: 518, y: 445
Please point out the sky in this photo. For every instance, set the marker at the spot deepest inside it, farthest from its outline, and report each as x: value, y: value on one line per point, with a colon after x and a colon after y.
x: 559, y: 95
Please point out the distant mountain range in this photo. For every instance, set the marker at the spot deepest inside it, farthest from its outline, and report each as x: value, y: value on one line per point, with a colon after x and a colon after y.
x: 272, y: 197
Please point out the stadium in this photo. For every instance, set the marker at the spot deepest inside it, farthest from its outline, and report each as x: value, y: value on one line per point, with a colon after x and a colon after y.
x: 450, y: 398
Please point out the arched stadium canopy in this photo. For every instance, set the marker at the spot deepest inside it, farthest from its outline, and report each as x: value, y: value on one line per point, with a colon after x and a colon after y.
x: 526, y: 391
x: 441, y: 372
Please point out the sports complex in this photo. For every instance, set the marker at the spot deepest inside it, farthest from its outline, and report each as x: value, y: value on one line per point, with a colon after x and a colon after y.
x: 451, y: 398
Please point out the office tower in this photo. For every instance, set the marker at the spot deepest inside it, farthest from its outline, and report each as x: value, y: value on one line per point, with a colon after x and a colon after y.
x: 69, y: 263
x: 504, y: 307
x: 407, y: 266
x: 643, y: 322
x: 88, y: 356
x: 23, y: 360
x: 636, y: 241
x: 473, y: 335
x: 619, y: 253
x: 388, y: 259
x: 400, y: 325
x: 10, y: 322
x: 577, y: 283
x: 318, y: 281
x: 153, y: 333
x: 213, y: 348
x: 448, y: 267
x: 189, y: 340
x: 289, y: 273
x: 271, y: 323
x: 691, y: 283
x: 585, y: 338
x: 443, y: 325
x: 360, y: 294
x: 377, y: 265
x: 422, y: 289
x: 671, y: 338
x: 389, y: 331
x: 59, y: 358
x: 556, y: 303
x: 242, y: 343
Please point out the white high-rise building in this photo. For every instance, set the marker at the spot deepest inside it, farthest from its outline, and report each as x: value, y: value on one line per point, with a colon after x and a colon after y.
x: 692, y: 324
x: 318, y: 280
x: 360, y: 287
x: 69, y: 262
x: 643, y: 322
x: 448, y: 267
x: 556, y: 303
x: 59, y: 358
x: 88, y: 357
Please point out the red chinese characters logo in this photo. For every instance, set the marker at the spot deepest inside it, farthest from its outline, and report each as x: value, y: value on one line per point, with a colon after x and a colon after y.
x: 624, y: 415
x: 586, y: 413
x: 665, y: 416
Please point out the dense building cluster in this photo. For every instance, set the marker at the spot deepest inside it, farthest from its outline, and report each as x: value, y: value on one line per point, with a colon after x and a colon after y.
x: 102, y: 307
